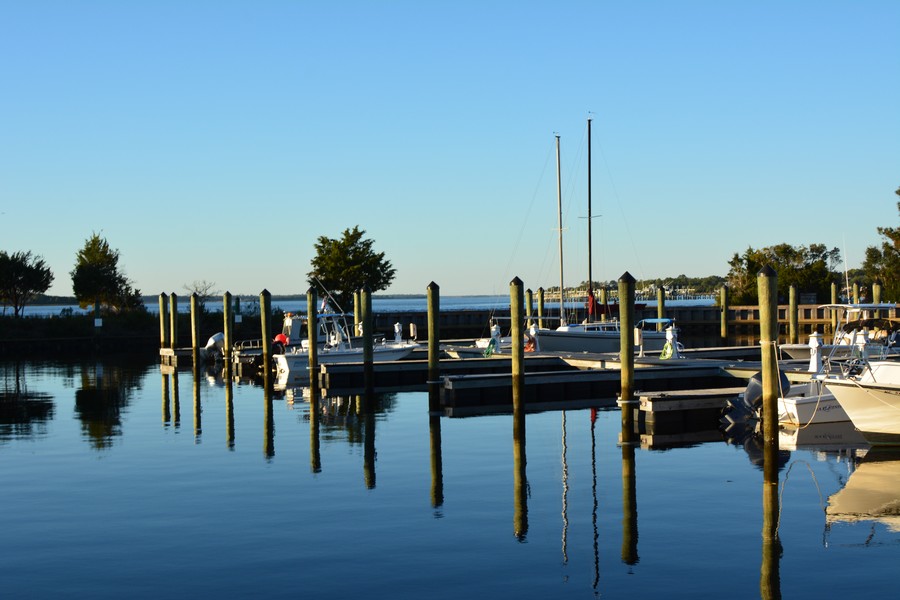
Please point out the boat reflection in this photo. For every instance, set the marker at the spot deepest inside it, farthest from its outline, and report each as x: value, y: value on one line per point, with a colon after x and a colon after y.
x: 872, y: 493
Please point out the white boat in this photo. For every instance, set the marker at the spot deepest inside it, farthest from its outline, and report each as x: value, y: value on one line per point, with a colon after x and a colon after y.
x: 871, y: 494
x: 340, y: 347
x: 605, y: 336
x: 857, y: 328
x: 871, y: 399
x: 808, y: 404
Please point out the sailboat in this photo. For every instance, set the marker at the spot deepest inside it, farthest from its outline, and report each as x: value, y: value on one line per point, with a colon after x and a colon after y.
x: 589, y: 335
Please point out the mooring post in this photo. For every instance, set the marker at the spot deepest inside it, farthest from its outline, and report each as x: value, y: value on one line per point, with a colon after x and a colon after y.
x: 356, y: 313
x: 227, y: 325
x: 660, y: 307
x: 163, y: 320
x: 855, y: 292
x: 517, y: 350
x: 626, y: 354
x: 433, y: 296
x: 723, y: 316
x: 312, y: 337
x: 767, y: 285
x: 540, y: 307
x: 365, y: 300
x: 793, y: 332
x: 529, y: 300
x: 876, y: 296
x: 173, y: 320
x: 834, y: 300
x: 604, y: 303
x: 195, y: 322
x: 265, y: 325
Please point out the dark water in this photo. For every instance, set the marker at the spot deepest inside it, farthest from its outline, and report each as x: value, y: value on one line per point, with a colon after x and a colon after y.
x: 118, y: 481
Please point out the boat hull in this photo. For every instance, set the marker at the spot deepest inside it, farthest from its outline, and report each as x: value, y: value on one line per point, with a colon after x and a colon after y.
x: 298, y: 362
x: 552, y: 340
x: 873, y: 408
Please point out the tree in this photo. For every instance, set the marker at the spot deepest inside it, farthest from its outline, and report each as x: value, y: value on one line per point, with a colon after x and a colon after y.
x: 811, y: 269
x: 884, y: 263
x: 22, y: 278
x: 96, y: 278
x: 204, y: 290
x: 344, y: 266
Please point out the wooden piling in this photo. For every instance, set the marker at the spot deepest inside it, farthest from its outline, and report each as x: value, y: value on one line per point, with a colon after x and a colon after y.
x: 834, y: 314
x: 855, y: 292
x: 876, y: 295
x: 195, y: 322
x: 356, y: 311
x: 433, y: 295
x: 173, y: 320
x: 228, y: 325
x: 164, y: 321
x: 604, y: 302
x: 723, y: 317
x: 265, y: 325
x: 626, y: 354
x: 660, y: 307
x: 767, y: 286
x: 312, y: 336
x: 517, y: 352
x: 529, y: 300
x: 793, y: 331
x: 365, y: 301
x: 540, y: 307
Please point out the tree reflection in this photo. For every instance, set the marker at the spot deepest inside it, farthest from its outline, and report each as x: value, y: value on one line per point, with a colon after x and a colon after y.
x: 23, y: 414
x: 104, y: 394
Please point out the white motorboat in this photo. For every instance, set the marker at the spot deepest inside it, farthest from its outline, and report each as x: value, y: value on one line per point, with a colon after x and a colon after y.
x: 340, y: 347
x: 858, y: 330
x: 869, y: 392
x: 605, y: 336
x: 808, y: 404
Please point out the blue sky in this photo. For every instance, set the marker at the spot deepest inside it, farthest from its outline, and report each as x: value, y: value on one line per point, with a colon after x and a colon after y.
x: 216, y: 140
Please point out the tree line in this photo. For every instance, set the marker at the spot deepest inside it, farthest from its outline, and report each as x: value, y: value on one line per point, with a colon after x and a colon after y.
x: 347, y: 264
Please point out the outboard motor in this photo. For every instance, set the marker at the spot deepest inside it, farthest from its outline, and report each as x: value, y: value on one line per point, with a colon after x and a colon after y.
x: 746, y: 406
x: 215, y: 342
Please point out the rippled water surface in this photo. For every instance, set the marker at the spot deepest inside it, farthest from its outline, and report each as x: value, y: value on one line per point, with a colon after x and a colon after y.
x: 119, y: 481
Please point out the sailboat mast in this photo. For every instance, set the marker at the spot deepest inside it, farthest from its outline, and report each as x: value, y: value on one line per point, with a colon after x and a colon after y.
x: 562, y: 295
x: 590, y: 285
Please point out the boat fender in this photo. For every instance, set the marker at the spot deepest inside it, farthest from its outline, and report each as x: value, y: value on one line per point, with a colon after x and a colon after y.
x: 529, y: 343
x: 667, y: 351
x: 277, y: 348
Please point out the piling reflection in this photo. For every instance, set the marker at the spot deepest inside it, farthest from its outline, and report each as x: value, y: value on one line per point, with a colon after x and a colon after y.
x: 437, y: 471
x: 368, y: 410
x: 596, y: 536
x: 229, y: 406
x: 770, y: 578
x: 176, y: 402
x: 268, y: 422
x: 520, y: 489
x: 315, y: 455
x: 164, y: 386
x: 23, y: 413
x: 198, y: 410
x: 629, y: 506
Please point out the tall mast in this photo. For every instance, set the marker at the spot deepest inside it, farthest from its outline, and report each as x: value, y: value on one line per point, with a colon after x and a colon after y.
x: 590, y: 273
x: 562, y: 295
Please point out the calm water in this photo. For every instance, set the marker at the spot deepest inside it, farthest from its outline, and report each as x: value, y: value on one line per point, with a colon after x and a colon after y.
x: 121, y: 482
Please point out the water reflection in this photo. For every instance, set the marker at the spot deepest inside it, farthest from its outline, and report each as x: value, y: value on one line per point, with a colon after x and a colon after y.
x: 104, y: 394
x: 872, y: 493
x: 23, y: 413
